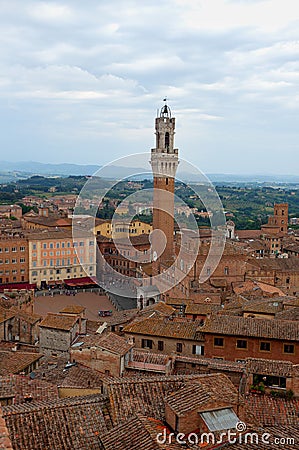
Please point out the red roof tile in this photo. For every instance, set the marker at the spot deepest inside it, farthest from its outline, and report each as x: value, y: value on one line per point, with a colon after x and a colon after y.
x: 164, y: 327
x: 59, y: 321
x: 252, y: 327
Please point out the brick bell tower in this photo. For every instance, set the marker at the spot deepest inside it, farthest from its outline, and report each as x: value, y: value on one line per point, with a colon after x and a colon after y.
x: 164, y: 162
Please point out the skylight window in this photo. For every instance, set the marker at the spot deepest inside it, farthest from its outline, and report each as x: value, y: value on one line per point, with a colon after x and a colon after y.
x: 222, y: 419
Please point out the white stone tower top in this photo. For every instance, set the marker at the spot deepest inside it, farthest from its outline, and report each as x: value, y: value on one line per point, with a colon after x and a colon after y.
x: 164, y: 158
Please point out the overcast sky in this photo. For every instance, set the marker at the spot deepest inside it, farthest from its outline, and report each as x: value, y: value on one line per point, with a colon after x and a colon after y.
x: 81, y: 81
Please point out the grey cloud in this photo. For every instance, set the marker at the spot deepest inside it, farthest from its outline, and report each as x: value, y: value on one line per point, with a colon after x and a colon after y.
x: 76, y: 79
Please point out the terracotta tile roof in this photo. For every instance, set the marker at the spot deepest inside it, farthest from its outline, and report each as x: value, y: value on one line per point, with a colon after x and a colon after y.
x: 58, y: 321
x: 50, y: 221
x: 108, y: 341
x: 178, y: 301
x: 161, y: 307
x: 41, y: 405
x: 187, y: 398
x: 205, y: 393
x: 270, y: 411
x: 138, y: 432
x: 158, y: 310
x: 238, y: 302
x: 51, y: 369
x: 27, y: 317
x: 218, y: 282
x: 267, y: 288
x: 22, y: 386
x: 202, y: 308
x: 101, y: 238
x: 129, y: 435
x: 82, y: 377
x: 281, y: 264
x: 291, y: 247
x: 212, y: 363
x: 135, y: 240
x: 117, y: 318
x: 100, y: 221
x: 282, y: 433
x: 270, y: 367
x: 16, y: 362
x: 288, y: 314
x: 291, y: 301
x: 149, y: 357
x: 72, y: 423
x: 73, y: 309
x: 5, y: 314
x: 253, y: 286
x: 246, y: 326
x: 5, y: 442
x: 164, y: 327
x: 231, y: 312
x: 257, y: 244
x: 266, y: 306
x: 261, y: 443
x: 143, y: 395
x: 56, y: 233
x: 248, y: 234
x: 204, y: 294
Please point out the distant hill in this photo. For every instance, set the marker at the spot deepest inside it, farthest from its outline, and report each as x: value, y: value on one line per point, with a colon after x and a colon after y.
x: 13, y: 171
x: 253, y: 178
x: 37, y: 168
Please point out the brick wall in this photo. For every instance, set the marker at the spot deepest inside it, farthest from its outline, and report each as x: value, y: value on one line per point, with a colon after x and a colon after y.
x: 230, y: 352
x: 182, y: 424
x: 293, y: 384
x: 170, y: 344
x: 189, y: 423
x: 98, y: 359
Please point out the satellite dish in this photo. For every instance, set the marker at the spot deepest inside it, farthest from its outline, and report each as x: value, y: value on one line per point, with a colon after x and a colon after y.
x: 32, y: 375
x: 155, y: 256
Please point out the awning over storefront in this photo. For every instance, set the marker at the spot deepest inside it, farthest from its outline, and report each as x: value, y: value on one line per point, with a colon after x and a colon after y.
x: 55, y: 283
x: 17, y: 286
x: 84, y: 281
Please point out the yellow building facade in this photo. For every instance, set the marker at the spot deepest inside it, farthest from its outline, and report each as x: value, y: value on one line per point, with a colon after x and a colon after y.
x: 55, y: 256
x: 121, y: 228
